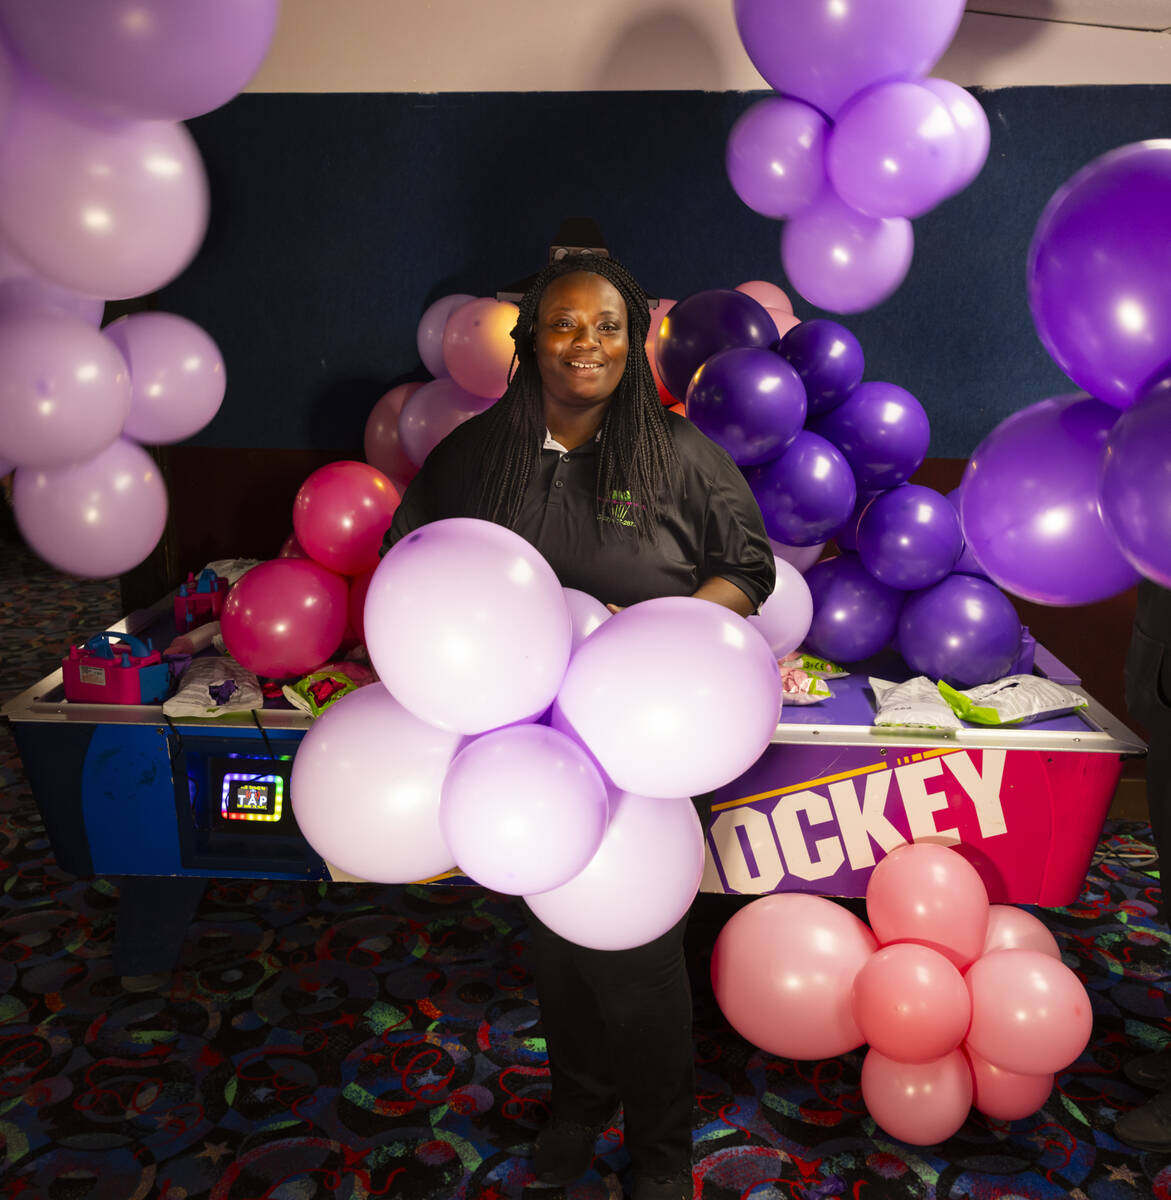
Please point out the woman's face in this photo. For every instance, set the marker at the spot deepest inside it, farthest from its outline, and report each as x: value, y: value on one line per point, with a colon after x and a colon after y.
x: 581, y: 339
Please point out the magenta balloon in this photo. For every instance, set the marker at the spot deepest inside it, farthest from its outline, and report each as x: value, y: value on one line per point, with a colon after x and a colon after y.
x: 106, y: 207
x: 64, y: 391
x: 285, y: 617
x: 854, y: 616
x: 176, y: 372
x: 430, y: 413
x: 429, y: 335
x: 523, y: 809
x: 894, y: 151
x: 971, y: 124
x: 467, y: 625
x: 1005, y: 1095
x: 1011, y: 928
x: 823, y: 51
x: 152, y: 58
x: 774, y: 157
x: 625, y: 897
x: 1029, y: 504
x: 911, y: 1003
x: 783, y: 969
x: 926, y: 893
x: 341, y: 514
x: 381, y: 443
x: 909, y: 537
x: 922, y: 1104
x: 801, y: 557
x: 806, y: 493
x: 291, y: 548
x: 24, y: 293
x: 708, y: 688
x: 882, y: 430
x: 842, y: 260
x: 784, y: 618
x: 1099, y: 289
x: 366, y: 785
x: 586, y: 613
x: 96, y: 518
x: 1030, y: 1013
x: 478, y: 346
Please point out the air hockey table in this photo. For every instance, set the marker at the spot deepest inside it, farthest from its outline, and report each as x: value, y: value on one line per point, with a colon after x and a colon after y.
x: 123, y: 791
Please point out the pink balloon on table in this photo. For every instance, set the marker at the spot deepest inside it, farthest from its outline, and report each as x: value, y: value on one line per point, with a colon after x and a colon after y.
x: 431, y: 412
x: 429, y: 335
x: 285, y: 617
x: 64, y: 392
x: 586, y: 613
x: 709, y: 696
x: 1011, y: 928
x: 381, y: 443
x: 341, y: 514
x: 658, y: 312
x: 291, y: 548
x: 359, y: 586
x: 785, y: 617
x: 523, y: 809
x: 176, y: 372
x: 366, y: 784
x: 765, y: 293
x: 1005, y: 1095
x: 478, y: 345
x: 96, y: 518
x: 783, y: 968
x: 911, y: 1003
x: 625, y: 897
x: 971, y: 124
x: 1030, y: 1013
x: 801, y: 557
x: 918, y: 1103
x: 932, y: 895
x: 24, y: 293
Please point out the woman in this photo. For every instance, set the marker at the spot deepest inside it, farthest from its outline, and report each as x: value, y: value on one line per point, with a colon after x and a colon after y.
x: 627, y: 502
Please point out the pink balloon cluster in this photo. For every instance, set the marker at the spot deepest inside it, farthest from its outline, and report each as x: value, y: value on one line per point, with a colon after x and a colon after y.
x: 962, y: 1003
x: 857, y: 142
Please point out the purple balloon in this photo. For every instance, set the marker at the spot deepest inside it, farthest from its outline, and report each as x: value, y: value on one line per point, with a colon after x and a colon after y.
x: 96, y: 518
x: 823, y: 51
x: 894, y: 151
x: 751, y: 402
x: 155, y: 59
x: 431, y: 412
x: 775, y: 156
x: 971, y: 122
x: 847, y: 537
x: 962, y: 630
x: 829, y: 359
x: 842, y: 260
x: 909, y: 537
x: 429, y: 336
x: 1099, y: 286
x: 24, y: 293
x: 1029, y: 504
x: 703, y: 324
x: 854, y: 616
x: 807, y: 493
x: 966, y: 564
x: 883, y: 432
x: 586, y: 613
x: 1135, y: 485
x: 784, y: 618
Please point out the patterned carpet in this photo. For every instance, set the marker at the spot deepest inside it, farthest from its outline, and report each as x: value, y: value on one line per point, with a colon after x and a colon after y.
x: 358, y: 1041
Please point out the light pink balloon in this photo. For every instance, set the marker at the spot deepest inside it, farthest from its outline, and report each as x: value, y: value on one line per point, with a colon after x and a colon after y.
x: 783, y: 969
x: 366, y: 784
x: 785, y: 617
x: 625, y: 897
x: 1030, y: 1013
x: 767, y: 294
x: 523, y: 809
x: 64, y: 390
x: 24, y: 293
x: 918, y: 1103
x: 784, y: 321
x: 801, y: 557
x: 1005, y: 1095
x: 586, y: 613
x: 1011, y: 928
x: 285, y: 617
x: 429, y: 336
x: 478, y: 346
x: 105, y: 207
x: 658, y: 312
x: 911, y: 1003
x: 381, y: 442
x: 341, y: 514
x: 176, y: 372
x: 96, y: 518
x: 932, y: 895
x: 431, y: 412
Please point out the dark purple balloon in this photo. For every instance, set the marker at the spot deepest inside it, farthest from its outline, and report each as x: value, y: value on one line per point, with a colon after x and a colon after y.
x: 854, y: 616
x: 909, y: 537
x: 967, y: 563
x: 828, y: 357
x: 883, y: 432
x: 847, y: 537
x: 749, y: 401
x: 703, y: 324
x: 962, y: 630
x: 805, y: 494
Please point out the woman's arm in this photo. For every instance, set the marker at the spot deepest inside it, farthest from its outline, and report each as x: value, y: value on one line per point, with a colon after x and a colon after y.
x: 723, y: 591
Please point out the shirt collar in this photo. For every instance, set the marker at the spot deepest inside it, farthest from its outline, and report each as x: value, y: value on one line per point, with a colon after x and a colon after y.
x: 551, y: 443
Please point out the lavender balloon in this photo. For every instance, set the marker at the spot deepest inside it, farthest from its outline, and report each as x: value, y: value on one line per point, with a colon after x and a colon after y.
x: 1029, y: 504
x: 962, y: 630
x: 24, y: 293
x: 909, y: 537
x: 854, y: 616
x: 775, y: 156
x: 806, y: 493
x: 784, y: 618
x: 1099, y: 287
x: 431, y: 412
x: 883, y: 432
x: 751, y: 402
x: 429, y: 336
x: 829, y: 359
x: 971, y: 122
x: 801, y: 557
x: 586, y: 613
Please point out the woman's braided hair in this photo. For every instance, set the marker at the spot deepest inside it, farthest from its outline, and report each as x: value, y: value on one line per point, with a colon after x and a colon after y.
x: 636, y: 452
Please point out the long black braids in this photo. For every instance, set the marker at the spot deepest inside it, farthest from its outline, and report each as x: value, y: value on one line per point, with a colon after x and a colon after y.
x: 636, y: 453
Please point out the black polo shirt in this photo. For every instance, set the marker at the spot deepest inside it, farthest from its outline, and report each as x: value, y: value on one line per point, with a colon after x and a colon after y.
x: 710, y: 523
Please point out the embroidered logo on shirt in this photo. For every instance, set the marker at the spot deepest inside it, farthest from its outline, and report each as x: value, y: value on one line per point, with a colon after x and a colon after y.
x: 618, y: 512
